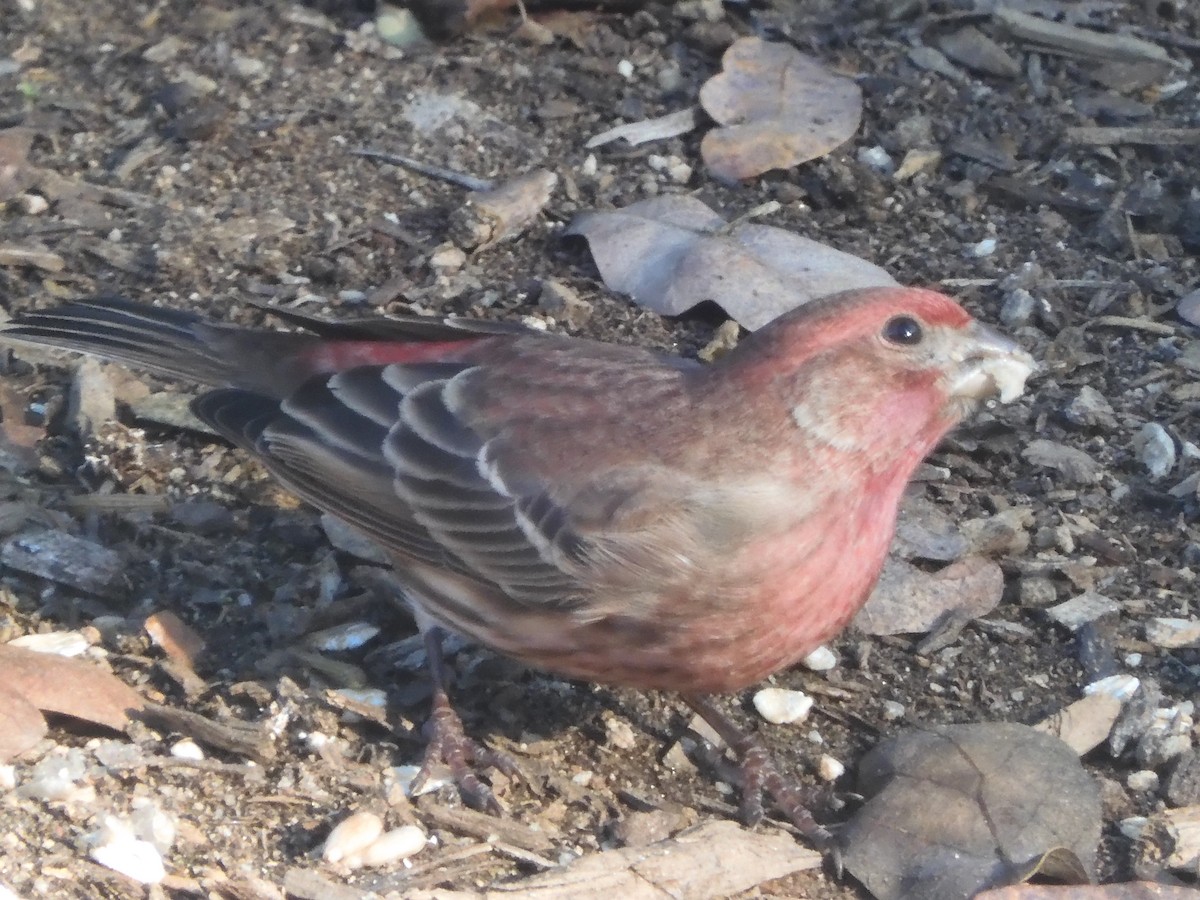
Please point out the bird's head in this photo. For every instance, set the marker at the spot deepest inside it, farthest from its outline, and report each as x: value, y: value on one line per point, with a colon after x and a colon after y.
x: 886, y: 371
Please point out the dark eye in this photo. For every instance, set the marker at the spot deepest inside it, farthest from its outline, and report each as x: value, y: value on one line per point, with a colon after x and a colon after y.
x: 904, y: 330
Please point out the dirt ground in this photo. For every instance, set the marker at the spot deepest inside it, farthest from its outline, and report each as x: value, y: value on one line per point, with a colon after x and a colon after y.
x: 218, y: 138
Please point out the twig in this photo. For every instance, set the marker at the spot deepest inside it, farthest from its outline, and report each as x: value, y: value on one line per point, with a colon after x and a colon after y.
x: 470, y: 182
x: 1147, y: 325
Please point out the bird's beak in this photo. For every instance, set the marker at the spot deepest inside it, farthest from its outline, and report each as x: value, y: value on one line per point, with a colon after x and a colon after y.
x: 990, y: 365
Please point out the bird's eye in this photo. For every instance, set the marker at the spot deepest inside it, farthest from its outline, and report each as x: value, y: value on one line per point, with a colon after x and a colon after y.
x: 904, y: 330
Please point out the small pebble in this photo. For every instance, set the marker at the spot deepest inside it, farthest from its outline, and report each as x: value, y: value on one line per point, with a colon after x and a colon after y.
x: 349, y: 636
x: 1133, y: 827
x: 187, y: 749
x: 1155, y: 449
x: 619, y: 734
x: 830, y: 769
x: 893, y: 710
x: 152, y: 823
x: 782, y: 707
x: 1171, y: 633
x: 1122, y: 687
x: 625, y: 69
x: 448, y: 258
x: 1090, y: 409
x: 820, y: 660
x: 876, y: 158
x: 116, y: 848
x: 397, y: 844
x: 986, y: 247
x: 352, y: 836
x: 1018, y: 308
x: 33, y: 204
x: 1144, y: 780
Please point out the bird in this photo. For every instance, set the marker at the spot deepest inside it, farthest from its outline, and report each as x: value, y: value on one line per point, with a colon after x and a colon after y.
x: 602, y: 512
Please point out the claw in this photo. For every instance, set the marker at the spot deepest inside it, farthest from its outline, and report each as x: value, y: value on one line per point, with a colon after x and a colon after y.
x: 760, y: 775
x: 449, y: 744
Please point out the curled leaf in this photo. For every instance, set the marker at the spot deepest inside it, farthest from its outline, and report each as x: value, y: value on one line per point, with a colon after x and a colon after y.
x: 670, y: 253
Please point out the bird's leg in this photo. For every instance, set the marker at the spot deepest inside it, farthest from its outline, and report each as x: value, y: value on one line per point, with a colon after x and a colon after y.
x: 448, y: 742
x: 760, y: 774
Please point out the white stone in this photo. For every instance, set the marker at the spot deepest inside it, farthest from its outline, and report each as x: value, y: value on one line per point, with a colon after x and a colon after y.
x: 782, y: 707
x: 397, y: 844
x: 352, y: 836
x: 187, y: 749
x: 830, y: 769
x: 116, y: 848
x: 820, y: 660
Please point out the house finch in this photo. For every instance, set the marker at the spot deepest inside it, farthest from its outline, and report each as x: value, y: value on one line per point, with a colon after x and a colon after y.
x: 603, y: 512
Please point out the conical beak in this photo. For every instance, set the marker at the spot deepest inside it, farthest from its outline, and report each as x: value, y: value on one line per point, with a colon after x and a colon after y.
x: 991, y: 365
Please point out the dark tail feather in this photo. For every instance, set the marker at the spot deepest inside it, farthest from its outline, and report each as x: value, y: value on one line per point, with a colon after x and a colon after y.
x: 239, y: 415
x: 165, y: 341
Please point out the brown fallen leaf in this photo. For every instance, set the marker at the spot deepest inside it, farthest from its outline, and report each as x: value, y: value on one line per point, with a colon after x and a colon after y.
x: 779, y: 108
x: 670, y: 253
x: 960, y: 808
x: 21, y: 725
x: 908, y: 600
x: 70, y: 687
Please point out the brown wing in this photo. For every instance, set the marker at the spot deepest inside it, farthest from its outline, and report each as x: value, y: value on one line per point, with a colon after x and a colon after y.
x: 401, y: 453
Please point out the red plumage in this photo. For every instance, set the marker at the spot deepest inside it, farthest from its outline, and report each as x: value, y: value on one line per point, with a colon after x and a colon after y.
x: 603, y: 512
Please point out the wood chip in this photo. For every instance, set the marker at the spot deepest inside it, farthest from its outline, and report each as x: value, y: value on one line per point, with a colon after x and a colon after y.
x: 1067, y: 40
x: 66, y: 559
x: 12, y: 255
x: 1154, y: 135
x: 668, y: 126
x: 715, y: 859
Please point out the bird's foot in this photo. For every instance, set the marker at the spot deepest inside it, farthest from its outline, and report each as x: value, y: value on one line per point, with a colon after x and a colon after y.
x: 450, y: 746
x: 760, y: 775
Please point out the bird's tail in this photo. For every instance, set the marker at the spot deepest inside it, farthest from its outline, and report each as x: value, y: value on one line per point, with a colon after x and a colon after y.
x: 165, y: 341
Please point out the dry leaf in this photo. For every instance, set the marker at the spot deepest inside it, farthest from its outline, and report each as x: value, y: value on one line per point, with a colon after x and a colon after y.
x: 960, y: 808
x: 779, y: 108
x: 670, y: 253
x: 21, y: 725
x: 69, y: 686
x: 908, y: 600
